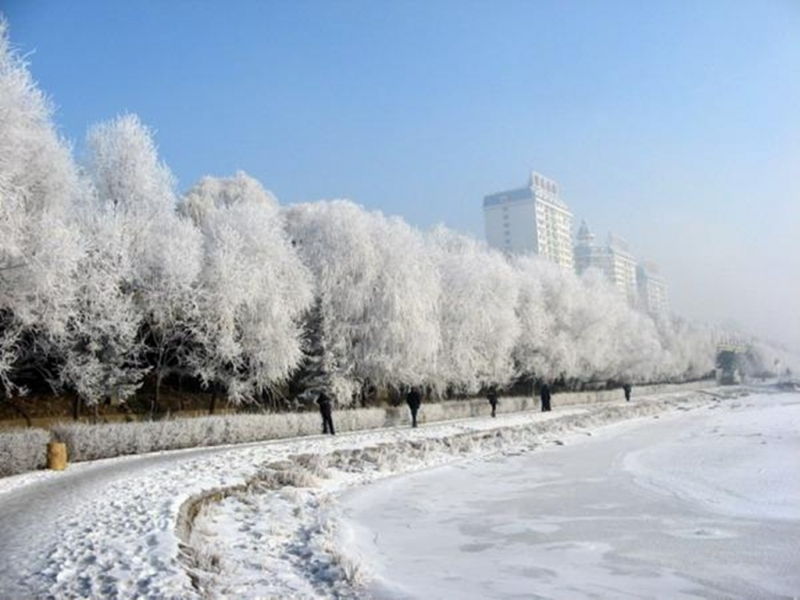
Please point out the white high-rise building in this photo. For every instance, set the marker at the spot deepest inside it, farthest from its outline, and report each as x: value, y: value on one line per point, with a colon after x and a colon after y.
x: 613, y: 258
x: 622, y: 268
x: 652, y: 289
x: 531, y: 219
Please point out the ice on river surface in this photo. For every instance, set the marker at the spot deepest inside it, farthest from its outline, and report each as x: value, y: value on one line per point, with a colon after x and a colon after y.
x: 702, y: 504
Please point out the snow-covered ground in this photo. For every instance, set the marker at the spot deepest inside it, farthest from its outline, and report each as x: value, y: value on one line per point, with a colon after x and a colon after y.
x: 149, y: 526
x: 699, y: 504
x: 108, y: 529
x: 273, y: 541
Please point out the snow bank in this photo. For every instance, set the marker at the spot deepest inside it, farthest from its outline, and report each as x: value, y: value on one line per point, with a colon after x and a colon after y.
x: 22, y: 450
x: 277, y: 535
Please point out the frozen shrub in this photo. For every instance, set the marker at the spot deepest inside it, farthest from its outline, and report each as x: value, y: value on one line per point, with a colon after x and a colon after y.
x: 22, y: 450
x: 364, y: 418
x: 91, y: 442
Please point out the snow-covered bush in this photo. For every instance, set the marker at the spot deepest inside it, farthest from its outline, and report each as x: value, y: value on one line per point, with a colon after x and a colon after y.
x: 358, y: 419
x: 22, y: 450
x: 90, y: 442
x: 443, y: 411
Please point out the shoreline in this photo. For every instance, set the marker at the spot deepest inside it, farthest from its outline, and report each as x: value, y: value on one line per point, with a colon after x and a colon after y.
x: 693, y: 503
x: 328, y: 568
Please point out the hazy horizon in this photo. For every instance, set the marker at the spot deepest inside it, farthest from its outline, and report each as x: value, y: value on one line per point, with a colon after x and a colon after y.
x: 672, y: 125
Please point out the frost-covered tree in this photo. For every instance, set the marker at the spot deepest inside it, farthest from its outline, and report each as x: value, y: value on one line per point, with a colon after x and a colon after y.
x: 38, y: 248
x: 621, y: 343
x: 532, y: 351
x: 637, y: 348
x: 763, y: 359
x: 400, y: 345
x: 102, y: 359
x: 144, y: 254
x: 253, y: 289
x: 158, y: 251
x: 477, y: 312
x: 688, y: 351
x: 102, y: 281
x: 556, y: 352
x: 377, y: 292
x: 579, y: 327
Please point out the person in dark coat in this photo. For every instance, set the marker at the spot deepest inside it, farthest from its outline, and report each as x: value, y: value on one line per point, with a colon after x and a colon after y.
x: 414, y: 400
x: 492, y: 398
x: 627, y: 389
x: 326, y: 410
x: 544, y: 393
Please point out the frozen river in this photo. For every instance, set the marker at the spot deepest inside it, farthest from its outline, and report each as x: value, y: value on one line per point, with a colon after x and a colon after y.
x: 699, y: 504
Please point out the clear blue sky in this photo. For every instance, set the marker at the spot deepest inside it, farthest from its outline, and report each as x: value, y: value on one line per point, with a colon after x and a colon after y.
x: 674, y: 124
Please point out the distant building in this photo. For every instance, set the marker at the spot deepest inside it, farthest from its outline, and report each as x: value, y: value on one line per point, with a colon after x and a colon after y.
x: 622, y: 268
x: 652, y: 289
x: 588, y: 254
x: 612, y: 258
x: 531, y: 219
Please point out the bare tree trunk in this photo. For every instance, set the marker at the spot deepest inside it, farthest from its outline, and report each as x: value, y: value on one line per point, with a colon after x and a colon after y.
x: 156, y: 405
x: 76, y: 408
x: 213, y: 406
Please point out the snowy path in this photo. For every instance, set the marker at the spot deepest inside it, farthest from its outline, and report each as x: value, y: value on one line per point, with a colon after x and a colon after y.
x: 704, y: 504
x: 281, y: 536
x: 107, y: 529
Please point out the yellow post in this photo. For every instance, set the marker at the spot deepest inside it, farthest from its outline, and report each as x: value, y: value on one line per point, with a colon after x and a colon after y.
x: 57, y: 456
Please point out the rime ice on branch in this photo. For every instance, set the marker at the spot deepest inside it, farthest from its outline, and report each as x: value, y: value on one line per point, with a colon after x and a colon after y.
x: 108, y: 277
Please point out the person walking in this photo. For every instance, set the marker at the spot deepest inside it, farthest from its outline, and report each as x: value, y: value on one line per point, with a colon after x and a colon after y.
x: 326, y: 410
x: 414, y: 400
x: 492, y: 398
x: 544, y: 394
x: 626, y: 387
